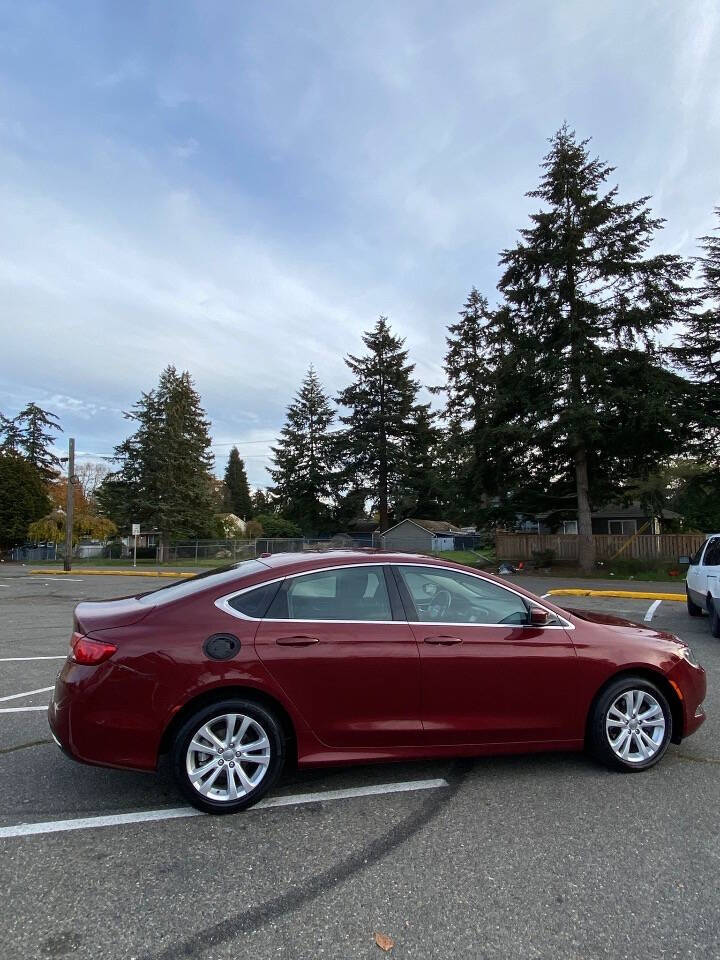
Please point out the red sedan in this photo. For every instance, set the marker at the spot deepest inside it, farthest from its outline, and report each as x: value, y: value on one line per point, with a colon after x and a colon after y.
x: 350, y: 657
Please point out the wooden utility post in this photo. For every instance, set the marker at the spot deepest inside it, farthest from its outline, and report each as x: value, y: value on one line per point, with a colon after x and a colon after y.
x: 70, y: 505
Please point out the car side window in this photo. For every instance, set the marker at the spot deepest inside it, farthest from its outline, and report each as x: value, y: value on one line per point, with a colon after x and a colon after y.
x: 344, y: 593
x: 712, y: 553
x: 254, y: 603
x: 449, y: 596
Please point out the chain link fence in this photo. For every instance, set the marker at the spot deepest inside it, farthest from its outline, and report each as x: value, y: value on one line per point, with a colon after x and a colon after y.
x: 204, y: 553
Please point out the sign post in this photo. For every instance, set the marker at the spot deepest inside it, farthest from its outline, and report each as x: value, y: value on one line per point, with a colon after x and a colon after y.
x: 135, y: 533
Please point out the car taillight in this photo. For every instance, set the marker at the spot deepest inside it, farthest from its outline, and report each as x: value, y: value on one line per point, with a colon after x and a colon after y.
x: 90, y: 652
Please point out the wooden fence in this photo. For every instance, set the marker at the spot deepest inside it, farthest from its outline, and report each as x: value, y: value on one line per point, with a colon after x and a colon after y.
x: 650, y: 547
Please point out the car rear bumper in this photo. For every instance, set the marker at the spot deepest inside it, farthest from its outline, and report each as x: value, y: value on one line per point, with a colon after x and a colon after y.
x: 90, y: 728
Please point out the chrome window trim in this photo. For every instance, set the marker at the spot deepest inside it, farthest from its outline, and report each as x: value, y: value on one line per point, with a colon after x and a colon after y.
x: 223, y: 603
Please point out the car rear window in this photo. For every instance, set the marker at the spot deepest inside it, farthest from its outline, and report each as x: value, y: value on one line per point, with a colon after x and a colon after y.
x: 235, y: 573
x: 254, y: 603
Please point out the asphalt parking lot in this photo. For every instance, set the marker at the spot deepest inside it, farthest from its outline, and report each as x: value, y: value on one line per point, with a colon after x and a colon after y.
x: 536, y: 857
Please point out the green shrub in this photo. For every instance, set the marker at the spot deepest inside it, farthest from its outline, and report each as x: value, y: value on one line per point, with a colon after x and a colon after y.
x: 146, y: 553
x: 543, y: 558
x: 628, y: 566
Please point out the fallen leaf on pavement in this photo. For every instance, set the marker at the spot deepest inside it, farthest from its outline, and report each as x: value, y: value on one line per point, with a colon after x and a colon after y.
x: 384, y: 942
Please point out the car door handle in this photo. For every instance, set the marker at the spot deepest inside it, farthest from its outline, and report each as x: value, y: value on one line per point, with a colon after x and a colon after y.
x: 296, y: 641
x: 443, y: 641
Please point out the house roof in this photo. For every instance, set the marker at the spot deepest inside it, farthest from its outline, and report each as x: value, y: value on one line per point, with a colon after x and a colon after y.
x: 616, y: 511
x: 435, y: 527
x: 631, y: 511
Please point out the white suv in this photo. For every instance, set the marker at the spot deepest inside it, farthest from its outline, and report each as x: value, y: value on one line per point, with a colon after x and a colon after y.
x: 702, y: 583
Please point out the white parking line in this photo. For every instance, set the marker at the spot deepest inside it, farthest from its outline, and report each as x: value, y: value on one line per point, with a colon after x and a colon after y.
x: 651, y: 610
x: 36, y: 579
x: 22, y: 709
x: 28, y: 693
x: 119, y: 819
x: 15, y: 659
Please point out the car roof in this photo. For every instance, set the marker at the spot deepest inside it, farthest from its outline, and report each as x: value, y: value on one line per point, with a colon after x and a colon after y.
x: 286, y: 564
x: 324, y: 558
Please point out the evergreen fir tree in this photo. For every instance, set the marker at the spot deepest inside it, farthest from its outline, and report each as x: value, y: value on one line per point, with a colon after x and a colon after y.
x: 23, y: 498
x: 349, y: 507
x: 421, y: 494
x: 236, y: 489
x: 584, y: 300
x: 261, y: 503
x: 480, y: 459
x: 303, y: 458
x: 10, y: 436
x: 378, y: 429
x: 698, y: 351
x: 35, y: 428
x: 163, y: 480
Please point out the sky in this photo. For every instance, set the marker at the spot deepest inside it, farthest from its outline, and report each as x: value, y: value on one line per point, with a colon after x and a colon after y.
x: 241, y: 189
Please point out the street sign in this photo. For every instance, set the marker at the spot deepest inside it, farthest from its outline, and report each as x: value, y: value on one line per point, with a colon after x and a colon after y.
x: 136, y: 534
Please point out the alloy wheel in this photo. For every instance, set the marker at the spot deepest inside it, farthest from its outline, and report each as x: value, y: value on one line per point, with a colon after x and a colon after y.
x: 228, y: 757
x: 635, y: 726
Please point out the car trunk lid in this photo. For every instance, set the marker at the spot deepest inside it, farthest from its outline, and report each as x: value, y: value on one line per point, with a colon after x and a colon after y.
x: 92, y: 616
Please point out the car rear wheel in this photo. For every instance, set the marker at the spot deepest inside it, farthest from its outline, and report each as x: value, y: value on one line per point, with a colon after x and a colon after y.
x: 693, y: 609
x: 226, y: 756
x: 631, y: 725
x: 714, y: 611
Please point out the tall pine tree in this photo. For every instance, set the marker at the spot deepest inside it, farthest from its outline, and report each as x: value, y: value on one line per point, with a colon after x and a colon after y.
x: 378, y: 427
x: 236, y: 492
x: 584, y: 300
x: 698, y: 346
x: 304, y: 459
x: 34, y: 429
x: 482, y: 462
x: 163, y: 481
x: 10, y: 436
x: 422, y: 494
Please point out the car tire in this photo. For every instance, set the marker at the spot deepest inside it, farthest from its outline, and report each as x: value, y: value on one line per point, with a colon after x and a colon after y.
x: 614, y: 728
x: 714, y: 611
x: 227, y: 776
x: 693, y: 609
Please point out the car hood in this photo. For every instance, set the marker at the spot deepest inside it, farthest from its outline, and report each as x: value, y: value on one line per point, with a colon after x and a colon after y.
x: 609, y: 620
x: 93, y: 615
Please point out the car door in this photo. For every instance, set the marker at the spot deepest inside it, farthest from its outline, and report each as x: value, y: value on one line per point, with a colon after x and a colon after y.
x: 338, y: 643
x: 487, y: 676
x: 709, y: 567
x: 696, y: 576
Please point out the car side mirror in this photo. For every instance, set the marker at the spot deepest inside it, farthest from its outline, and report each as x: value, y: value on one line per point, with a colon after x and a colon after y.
x: 685, y: 560
x: 539, y: 617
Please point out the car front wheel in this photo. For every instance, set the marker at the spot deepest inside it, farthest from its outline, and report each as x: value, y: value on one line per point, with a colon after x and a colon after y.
x: 693, y: 609
x: 631, y: 725
x: 226, y: 756
x: 714, y: 611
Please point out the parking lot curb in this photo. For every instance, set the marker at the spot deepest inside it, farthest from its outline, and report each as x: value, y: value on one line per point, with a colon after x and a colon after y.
x: 114, y: 573
x: 628, y: 594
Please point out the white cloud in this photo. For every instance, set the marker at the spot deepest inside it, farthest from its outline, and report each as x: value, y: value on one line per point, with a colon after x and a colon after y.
x: 342, y: 167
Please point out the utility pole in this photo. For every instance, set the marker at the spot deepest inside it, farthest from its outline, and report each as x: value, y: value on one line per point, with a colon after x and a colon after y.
x: 70, y: 505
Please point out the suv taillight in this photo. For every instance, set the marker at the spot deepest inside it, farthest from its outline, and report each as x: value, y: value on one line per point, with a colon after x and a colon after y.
x: 90, y: 652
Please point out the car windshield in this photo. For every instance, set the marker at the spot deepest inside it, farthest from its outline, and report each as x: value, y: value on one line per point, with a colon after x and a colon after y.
x: 232, y: 573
